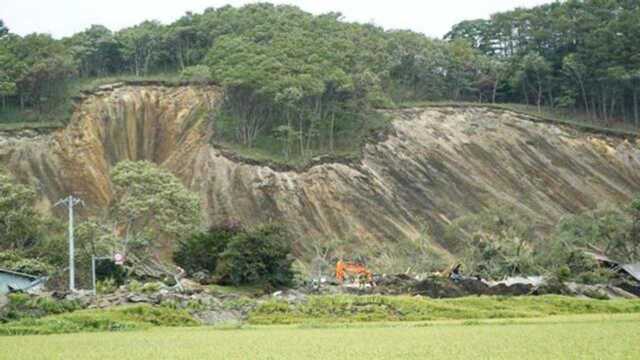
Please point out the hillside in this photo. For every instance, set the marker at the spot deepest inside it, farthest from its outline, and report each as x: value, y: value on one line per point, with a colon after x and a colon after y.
x: 437, y: 164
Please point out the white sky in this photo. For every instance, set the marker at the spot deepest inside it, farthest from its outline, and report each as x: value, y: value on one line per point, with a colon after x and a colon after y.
x: 65, y: 17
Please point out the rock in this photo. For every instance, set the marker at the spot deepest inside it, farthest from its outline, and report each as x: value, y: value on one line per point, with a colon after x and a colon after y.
x: 190, y: 286
x: 599, y: 291
x: 552, y: 287
x: 394, y: 284
x: 139, y: 298
x: 84, y: 297
x: 436, y: 287
x: 290, y: 295
x: 208, y: 301
x: 203, y: 277
x: 209, y: 317
x: 513, y: 290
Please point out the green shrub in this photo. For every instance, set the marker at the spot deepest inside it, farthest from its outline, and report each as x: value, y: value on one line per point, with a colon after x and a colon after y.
x: 494, y: 243
x: 23, y: 306
x: 152, y: 287
x: 119, y: 319
x: 134, y: 286
x: 197, y: 73
x: 260, y: 256
x: 14, y: 261
x: 106, y: 286
x: 239, y: 256
x: 348, y: 308
x: 201, y: 251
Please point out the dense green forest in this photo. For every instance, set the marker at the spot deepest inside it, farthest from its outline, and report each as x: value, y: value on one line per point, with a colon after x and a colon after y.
x: 573, y: 54
x: 303, y: 83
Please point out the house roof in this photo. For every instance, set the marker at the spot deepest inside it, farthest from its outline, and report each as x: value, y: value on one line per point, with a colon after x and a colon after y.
x: 15, y: 273
x: 632, y: 269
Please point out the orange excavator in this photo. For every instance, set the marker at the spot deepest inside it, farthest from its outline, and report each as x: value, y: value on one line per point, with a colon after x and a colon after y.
x: 357, y: 270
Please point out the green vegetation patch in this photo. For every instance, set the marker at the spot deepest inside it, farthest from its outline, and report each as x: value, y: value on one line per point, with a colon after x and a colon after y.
x: 575, y: 337
x: 118, y: 319
x: 339, y: 309
x: 23, y: 306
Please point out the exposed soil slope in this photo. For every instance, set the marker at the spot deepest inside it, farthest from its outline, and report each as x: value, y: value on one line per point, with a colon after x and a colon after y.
x: 438, y: 164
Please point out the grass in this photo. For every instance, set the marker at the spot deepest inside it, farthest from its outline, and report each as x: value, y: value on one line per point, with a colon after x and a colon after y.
x: 318, y: 311
x: 23, y: 306
x: 117, y: 319
x: 12, y: 118
x: 341, y: 309
x: 242, y: 290
x: 350, y: 137
x: 576, y: 120
x: 574, y: 337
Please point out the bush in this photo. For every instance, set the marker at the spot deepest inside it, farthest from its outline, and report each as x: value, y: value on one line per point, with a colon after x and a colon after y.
x: 200, y: 252
x: 152, y: 287
x: 260, y: 256
x: 117, y: 319
x: 12, y: 260
x: 106, y: 286
x: 197, y: 73
x: 21, y: 306
x: 496, y: 243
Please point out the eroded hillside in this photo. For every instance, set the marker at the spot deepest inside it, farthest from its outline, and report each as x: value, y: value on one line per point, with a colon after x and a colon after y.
x: 438, y: 164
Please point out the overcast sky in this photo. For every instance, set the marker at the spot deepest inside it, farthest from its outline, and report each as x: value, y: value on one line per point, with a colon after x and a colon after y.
x: 65, y: 17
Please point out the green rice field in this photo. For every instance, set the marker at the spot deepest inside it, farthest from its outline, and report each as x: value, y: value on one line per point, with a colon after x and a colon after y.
x: 611, y: 336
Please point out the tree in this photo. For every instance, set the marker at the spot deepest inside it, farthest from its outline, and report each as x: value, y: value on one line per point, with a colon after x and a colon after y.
x: 12, y: 67
x: 42, y: 68
x: 20, y: 224
x: 259, y: 256
x: 96, y: 51
x: 476, y: 32
x: 492, y: 72
x: 7, y: 88
x: 196, y: 73
x: 534, y: 73
x: 577, y: 71
x: 613, y: 231
x: 3, y: 29
x: 201, y: 251
x: 150, y: 206
x: 497, y: 242
x: 142, y: 46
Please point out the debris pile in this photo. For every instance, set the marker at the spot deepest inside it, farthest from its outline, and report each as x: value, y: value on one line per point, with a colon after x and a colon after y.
x: 205, y: 305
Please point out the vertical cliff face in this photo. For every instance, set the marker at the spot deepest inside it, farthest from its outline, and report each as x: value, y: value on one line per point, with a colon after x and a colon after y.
x: 440, y: 163
x: 153, y: 123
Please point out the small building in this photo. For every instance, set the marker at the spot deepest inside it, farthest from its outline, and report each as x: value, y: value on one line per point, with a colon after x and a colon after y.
x: 631, y: 272
x: 11, y: 281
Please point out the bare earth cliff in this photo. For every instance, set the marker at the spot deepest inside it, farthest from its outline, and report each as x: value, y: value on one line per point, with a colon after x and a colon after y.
x: 438, y: 164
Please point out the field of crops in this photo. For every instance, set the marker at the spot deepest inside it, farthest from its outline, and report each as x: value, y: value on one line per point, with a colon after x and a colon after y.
x: 583, y: 337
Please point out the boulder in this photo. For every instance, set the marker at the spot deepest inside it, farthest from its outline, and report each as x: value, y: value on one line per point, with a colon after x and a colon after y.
x: 290, y: 296
x: 210, y: 317
x: 139, y: 298
x: 203, y: 277
x: 190, y: 286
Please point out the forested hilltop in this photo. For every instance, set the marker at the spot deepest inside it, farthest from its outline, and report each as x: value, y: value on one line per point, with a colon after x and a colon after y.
x: 298, y: 84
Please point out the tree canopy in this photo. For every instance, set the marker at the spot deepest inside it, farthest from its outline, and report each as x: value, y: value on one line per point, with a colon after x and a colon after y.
x: 580, y: 54
x: 307, y: 78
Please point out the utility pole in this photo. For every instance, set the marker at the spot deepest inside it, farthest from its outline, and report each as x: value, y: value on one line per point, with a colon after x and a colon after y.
x: 71, y: 202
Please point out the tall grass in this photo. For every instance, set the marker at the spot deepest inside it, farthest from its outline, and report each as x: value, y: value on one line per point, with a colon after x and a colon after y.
x: 338, y: 309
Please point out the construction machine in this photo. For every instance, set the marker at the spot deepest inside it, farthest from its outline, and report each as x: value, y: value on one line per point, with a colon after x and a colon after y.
x: 359, y: 271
